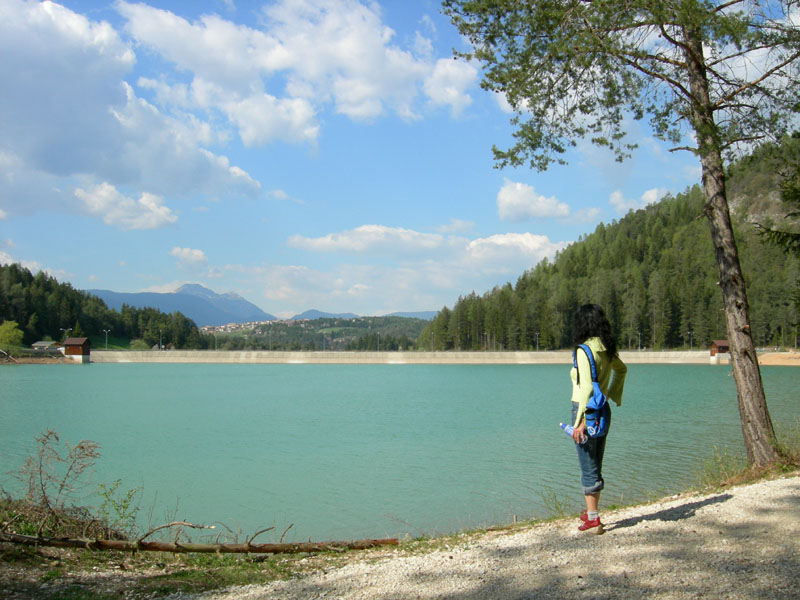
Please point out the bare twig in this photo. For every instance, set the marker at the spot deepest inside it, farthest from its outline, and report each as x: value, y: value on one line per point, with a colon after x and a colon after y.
x: 284, y: 532
x: 257, y: 533
x: 173, y: 524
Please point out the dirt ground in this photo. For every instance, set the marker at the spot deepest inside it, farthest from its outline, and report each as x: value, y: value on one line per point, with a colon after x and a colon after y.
x: 789, y: 359
x: 41, y: 360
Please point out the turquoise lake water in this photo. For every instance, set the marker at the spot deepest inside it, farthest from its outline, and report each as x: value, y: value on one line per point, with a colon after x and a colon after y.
x: 355, y: 451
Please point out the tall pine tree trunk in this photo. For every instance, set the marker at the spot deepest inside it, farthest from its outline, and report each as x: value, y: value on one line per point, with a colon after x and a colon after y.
x: 757, y: 429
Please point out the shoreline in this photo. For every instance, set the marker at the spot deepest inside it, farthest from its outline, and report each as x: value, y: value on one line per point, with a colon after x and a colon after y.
x: 738, y: 542
x: 699, y: 357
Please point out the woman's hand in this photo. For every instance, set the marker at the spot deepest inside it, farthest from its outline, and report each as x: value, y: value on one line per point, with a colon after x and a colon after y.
x: 579, y: 433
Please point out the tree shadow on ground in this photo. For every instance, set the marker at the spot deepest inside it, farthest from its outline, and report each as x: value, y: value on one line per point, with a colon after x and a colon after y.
x: 675, y: 513
x: 742, y: 559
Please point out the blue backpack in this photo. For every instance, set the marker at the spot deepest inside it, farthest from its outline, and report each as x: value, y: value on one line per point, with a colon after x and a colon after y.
x: 598, y: 413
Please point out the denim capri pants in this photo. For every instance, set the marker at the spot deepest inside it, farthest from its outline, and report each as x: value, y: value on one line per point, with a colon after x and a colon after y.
x: 590, y: 458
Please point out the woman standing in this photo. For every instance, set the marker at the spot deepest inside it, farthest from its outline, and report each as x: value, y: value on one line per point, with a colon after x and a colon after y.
x: 592, y: 328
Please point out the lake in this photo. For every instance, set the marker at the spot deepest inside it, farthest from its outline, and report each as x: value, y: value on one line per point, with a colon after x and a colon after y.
x: 364, y: 451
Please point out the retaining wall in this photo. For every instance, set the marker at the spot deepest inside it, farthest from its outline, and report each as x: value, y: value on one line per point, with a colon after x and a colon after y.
x: 483, y: 358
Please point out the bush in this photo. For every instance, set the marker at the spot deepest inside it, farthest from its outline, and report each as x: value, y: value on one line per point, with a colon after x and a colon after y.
x: 10, y: 335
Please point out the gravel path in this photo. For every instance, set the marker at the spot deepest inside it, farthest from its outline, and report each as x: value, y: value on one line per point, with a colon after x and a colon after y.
x: 743, y: 542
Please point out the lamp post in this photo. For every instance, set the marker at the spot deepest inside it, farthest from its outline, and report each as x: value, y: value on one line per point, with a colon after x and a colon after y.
x: 691, y: 344
x: 537, y: 341
x: 639, y: 333
x: 106, y: 332
x: 66, y: 331
x: 159, y: 340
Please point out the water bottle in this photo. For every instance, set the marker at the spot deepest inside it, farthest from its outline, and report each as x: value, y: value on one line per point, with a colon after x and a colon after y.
x: 568, y: 429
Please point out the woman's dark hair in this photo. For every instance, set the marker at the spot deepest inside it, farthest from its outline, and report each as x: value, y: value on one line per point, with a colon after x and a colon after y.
x: 590, y: 321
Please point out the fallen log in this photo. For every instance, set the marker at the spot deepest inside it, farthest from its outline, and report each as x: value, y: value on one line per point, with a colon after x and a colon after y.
x: 180, y: 547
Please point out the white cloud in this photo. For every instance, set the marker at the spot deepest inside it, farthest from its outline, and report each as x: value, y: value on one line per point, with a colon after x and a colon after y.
x: 98, y: 130
x: 503, y: 103
x: 363, y: 289
x: 3, y: 214
x: 617, y: 200
x: 586, y: 215
x: 447, y: 84
x: 506, y: 252
x: 164, y: 288
x: 105, y: 201
x: 622, y: 205
x: 7, y: 259
x: 427, y: 270
x: 371, y: 238
x: 278, y: 195
x: 271, y: 82
x: 425, y: 283
x: 59, y: 54
x: 263, y: 118
x: 267, y: 83
x: 165, y: 155
x: 512, y: 248
x: 520, y: 202
x: 189, y: 256
x: 456, y: 226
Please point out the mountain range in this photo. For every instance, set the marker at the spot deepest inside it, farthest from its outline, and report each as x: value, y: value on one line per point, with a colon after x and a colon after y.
x: 198, y: 303
x: 208, y: 308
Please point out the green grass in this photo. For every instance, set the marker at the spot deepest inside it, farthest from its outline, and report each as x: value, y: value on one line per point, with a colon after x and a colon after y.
x: 114, y: 343
x: 558, y: 507
x: 724, y: 468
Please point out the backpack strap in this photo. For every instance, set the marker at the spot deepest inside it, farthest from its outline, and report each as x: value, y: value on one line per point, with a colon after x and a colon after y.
x: 589, y: 355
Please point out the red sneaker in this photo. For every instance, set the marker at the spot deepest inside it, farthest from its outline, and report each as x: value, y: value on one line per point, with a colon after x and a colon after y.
x: 593, y: 526
x: 584, y: 517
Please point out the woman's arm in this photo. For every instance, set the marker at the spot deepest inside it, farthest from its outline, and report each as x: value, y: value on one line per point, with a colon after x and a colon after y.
x: 617, y: 384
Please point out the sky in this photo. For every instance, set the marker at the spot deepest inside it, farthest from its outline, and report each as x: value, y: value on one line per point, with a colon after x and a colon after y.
x: 304, y: 154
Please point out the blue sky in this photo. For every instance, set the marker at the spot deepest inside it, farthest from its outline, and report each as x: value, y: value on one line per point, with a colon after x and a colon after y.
x: 325, y: 154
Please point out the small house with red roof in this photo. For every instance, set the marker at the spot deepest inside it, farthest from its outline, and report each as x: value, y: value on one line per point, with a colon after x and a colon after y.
x: 719, y: 347
x: 78, y: 348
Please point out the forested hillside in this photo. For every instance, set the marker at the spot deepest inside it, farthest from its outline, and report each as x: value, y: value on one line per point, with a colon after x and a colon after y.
x: 653, y: 272
x: 44, y: 309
